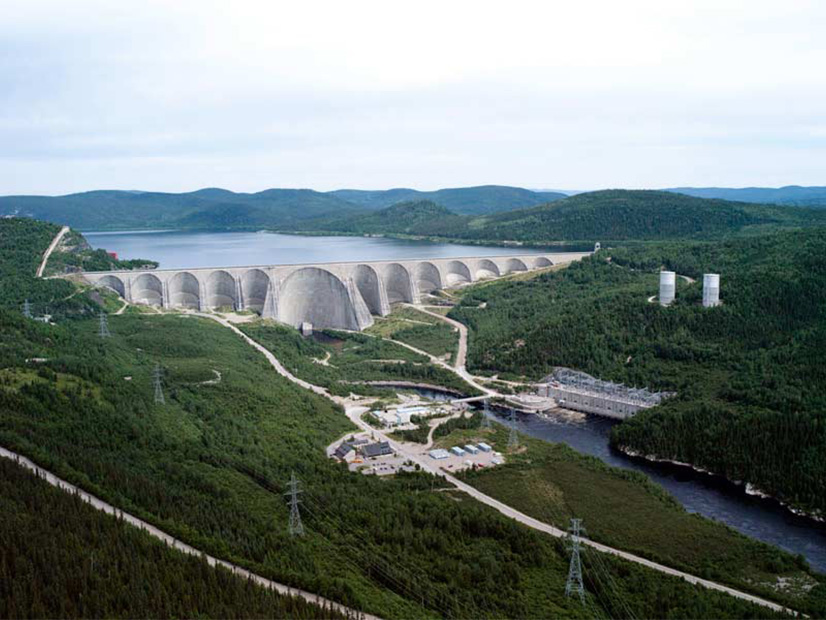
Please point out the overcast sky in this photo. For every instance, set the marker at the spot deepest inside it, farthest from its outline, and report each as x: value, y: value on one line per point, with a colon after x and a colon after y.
x: 174, y: 96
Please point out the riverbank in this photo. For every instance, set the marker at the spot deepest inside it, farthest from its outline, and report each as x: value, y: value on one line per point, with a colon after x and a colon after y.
x: 746, y: 487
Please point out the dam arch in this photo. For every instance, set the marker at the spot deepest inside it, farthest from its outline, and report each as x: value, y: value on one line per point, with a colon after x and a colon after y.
x: 316, y: 296
x: 147, y: 289
x: 221, y: 290
x: 457, y: 273
x: 114, y: 283
x: 540, y: 262
x: 514, y: 264
x: 486, y: 269
x: 254, y: 286
x: 369, y: 287
x: 184, y: 291
x: 428, y: 277
x: 398, y: 284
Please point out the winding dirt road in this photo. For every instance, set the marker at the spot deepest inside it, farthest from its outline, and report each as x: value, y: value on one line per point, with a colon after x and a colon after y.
x: 49, y: 250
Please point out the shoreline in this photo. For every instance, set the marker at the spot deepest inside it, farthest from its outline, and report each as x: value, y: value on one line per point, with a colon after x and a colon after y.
x: 747, y: 488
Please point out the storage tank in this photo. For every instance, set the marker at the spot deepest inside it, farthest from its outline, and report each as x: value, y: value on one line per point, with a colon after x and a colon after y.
x: 711, y: 290
x: 668, y: 286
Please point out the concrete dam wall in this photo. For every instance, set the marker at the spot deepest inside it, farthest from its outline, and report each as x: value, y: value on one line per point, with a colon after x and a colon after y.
x: 335, y: 295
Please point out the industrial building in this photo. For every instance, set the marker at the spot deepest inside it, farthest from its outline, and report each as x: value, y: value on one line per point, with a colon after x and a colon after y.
x: 381, y: 448
x: 579, y: 391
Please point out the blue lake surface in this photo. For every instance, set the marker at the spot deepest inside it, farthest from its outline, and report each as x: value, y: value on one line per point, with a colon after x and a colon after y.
x: 184, y: 249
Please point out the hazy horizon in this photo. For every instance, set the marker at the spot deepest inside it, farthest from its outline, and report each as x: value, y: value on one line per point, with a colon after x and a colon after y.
x: 253, y: 95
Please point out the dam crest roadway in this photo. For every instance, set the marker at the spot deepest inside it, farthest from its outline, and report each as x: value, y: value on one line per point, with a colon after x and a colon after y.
x: 342, y: 295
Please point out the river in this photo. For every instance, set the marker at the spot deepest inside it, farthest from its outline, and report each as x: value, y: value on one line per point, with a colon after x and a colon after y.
x: 710, y: 496
x: 184, y: 249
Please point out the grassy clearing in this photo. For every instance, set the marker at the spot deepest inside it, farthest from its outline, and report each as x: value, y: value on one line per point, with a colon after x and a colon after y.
x: 350, y: 359
x: 419, y: 330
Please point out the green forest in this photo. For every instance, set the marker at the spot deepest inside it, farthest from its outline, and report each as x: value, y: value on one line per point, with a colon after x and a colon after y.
x: 748, y: 374
x: 210, y: 466
x: 607, y: 216
x: 61, y: 558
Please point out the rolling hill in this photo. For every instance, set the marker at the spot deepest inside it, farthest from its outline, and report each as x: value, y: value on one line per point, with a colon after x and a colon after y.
x: 216, y: 208
x: 610, y: 215
x: 462, y: 200
x: 788, y: 195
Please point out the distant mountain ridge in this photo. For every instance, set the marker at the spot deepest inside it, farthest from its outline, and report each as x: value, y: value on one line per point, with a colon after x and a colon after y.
x: 478, y: 200
x: 788, y: 195
x: 607, y: 215
x: 273, y: 208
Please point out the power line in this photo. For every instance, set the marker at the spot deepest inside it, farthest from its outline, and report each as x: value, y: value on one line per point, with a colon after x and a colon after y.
x: 296, y: 527
x: 157, y: 375
x: 103, y: 329
x: 513, y: 436
x: 574, y: 584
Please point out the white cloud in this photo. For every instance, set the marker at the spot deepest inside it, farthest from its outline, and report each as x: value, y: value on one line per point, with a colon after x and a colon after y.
x: 249, y: 95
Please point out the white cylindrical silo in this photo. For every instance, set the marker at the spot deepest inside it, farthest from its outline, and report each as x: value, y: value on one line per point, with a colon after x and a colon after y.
x: 711, y: 290
x: 668, y: 286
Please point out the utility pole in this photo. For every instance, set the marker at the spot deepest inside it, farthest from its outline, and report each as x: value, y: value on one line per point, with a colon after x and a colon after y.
x: 103, y: 330
x: 27, y: 309
x: 157, y: 382
x: 574, y: 584
x: 513, y: 437
x: 296, y: 528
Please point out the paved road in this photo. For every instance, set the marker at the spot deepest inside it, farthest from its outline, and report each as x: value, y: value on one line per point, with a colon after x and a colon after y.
x: 174, y: 542
x: 50, y: 249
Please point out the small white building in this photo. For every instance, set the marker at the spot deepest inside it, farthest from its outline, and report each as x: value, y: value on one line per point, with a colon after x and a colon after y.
x: 457, y: 451
x: 471, y: 449
x: 484, y: 447
x: 439, y: 454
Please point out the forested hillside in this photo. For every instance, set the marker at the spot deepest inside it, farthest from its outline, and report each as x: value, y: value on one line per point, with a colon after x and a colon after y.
x: 220, y: 209
x: 61, y: 558
x: 749, y: 374
x: 418, y: 218
x: 607, y: 216
x: 462, y: 200
x: 788, y: 195
x: 210, y: 465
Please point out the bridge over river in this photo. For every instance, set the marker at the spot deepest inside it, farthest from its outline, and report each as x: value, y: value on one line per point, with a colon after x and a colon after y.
x: 337, y: 295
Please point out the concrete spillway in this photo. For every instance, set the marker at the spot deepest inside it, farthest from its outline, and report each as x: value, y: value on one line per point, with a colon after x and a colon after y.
x: 335, y: 295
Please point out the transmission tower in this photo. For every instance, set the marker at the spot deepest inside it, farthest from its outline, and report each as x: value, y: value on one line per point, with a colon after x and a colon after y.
x: 296, y: 527
x: 513, y: 437
x: 574, y: 584
x: 486, y: 416
x: 103, y: 330
x: 27, y: 309
x: 157, y: 382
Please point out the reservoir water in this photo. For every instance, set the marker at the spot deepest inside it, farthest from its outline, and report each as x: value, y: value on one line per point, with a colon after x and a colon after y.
x: 710, y: 496
x: 181, y: 249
